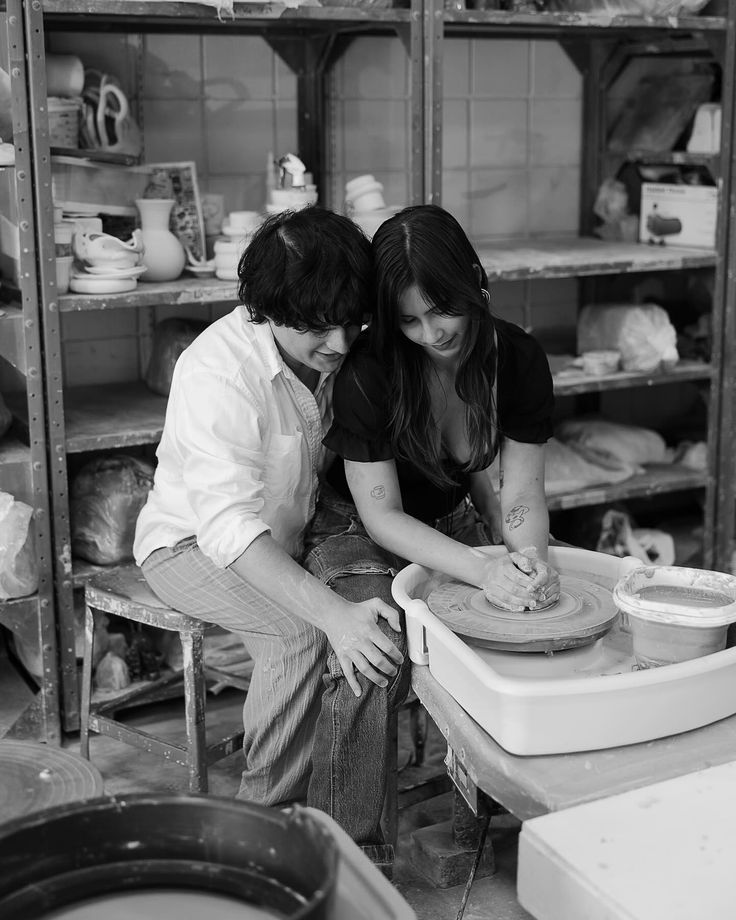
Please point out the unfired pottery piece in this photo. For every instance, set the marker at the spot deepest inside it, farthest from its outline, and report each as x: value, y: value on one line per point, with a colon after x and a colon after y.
x: 583, y: 614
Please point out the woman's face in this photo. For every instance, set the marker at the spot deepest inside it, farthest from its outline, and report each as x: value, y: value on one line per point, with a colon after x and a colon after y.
x: 440, y: 335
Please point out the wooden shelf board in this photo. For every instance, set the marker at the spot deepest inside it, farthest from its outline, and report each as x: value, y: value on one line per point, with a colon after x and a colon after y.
x: 507, y: 260
x: 659, y: 479
x: 581, y: 21
x: 169, y: 293
x: 516, y: 260
x: 112, y: 415
x: 569, y: 384
x: 138, y: 13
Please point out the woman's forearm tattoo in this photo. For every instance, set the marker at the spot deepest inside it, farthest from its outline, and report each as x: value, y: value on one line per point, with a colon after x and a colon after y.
x: 378, y: 492
x: 515, y: 517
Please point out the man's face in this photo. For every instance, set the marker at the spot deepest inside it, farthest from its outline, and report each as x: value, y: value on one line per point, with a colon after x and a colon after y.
x: 320, y: 351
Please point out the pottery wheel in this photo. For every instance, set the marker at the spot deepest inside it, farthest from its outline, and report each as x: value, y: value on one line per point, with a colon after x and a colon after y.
x: 34, y: 776
x: 583, y: 614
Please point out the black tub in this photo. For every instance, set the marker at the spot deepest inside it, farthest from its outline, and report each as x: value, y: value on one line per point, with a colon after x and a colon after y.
x: 283, y: 862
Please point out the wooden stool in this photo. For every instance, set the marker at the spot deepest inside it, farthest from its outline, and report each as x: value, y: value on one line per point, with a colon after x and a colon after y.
x: 124, y: 593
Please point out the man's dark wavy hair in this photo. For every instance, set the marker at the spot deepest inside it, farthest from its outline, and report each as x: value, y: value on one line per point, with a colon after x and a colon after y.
x: 310, y: 269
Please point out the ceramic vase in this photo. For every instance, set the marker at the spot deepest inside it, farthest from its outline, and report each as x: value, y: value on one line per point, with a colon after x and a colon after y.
x: 163, y: 256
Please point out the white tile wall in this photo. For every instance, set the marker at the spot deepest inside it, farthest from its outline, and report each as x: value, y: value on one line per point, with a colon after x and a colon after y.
x: 511, y: 149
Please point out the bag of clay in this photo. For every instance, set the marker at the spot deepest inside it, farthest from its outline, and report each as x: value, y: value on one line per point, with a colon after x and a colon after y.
x: 643, y: 334
x: 105, y: 499
x: 170, y: 338
x: 18, y: 566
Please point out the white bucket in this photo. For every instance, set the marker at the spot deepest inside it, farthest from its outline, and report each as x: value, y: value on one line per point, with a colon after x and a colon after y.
x: 676, y: 613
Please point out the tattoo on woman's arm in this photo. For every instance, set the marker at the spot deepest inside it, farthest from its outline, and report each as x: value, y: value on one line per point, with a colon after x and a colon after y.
x: 378, y: 492
x: 515, y: 517
x: 500, y: 478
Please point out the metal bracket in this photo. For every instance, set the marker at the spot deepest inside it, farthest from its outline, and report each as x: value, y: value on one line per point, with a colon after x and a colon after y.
x: 462, y: 781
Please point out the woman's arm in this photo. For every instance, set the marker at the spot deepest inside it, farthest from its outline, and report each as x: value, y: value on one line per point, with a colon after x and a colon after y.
x: 525, y: 518
x: 524, y: 515
x: 376, y: 493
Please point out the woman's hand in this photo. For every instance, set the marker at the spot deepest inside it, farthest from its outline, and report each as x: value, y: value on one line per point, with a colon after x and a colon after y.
x: 545, y: 579
x: 520, y: 581
x: 360, y: 645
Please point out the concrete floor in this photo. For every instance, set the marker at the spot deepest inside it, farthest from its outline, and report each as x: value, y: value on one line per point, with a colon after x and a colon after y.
x: 125, y: 769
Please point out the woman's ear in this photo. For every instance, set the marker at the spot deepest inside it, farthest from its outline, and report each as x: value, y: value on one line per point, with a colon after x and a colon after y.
x: 479, y: 274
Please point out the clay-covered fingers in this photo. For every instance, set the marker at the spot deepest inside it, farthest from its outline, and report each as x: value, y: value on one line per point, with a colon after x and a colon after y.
x: 547, y: 583
x: 505, y: 585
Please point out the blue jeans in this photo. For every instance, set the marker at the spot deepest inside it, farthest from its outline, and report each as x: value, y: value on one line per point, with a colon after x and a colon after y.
x: 350, y: 752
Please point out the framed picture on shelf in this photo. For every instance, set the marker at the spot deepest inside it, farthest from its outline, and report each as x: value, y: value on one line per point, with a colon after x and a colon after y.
x: 179, y: 181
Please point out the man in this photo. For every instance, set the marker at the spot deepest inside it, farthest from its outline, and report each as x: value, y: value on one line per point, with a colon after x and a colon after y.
x: 238, y: 471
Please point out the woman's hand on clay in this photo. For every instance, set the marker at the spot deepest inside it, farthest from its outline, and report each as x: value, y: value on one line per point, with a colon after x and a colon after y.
x: 520, y: 581
x: 545, y: 579
x: 360, y: 645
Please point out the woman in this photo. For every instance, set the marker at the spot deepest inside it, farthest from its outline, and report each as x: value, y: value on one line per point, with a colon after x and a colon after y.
x: 432, y: 392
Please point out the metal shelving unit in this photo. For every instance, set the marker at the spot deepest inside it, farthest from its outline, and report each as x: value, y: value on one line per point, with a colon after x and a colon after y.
x: 23, y: 463
x: 309, y: 40
x: 599, y: 44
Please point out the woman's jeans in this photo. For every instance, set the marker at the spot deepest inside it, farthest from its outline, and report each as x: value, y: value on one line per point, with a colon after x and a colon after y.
x: 350, y: 753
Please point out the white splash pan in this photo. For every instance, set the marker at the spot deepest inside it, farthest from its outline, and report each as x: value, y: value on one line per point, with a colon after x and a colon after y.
x: 582, y: 699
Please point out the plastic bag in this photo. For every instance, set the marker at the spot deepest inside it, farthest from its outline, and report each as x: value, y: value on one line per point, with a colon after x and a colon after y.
x: 628, y: 443
x: 170, y: 338
x: 643, y: 334
x: 106, y: 497
x: 18, y: 566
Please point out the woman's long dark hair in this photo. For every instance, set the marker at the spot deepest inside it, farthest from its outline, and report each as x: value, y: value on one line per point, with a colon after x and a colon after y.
x: 425, y: 246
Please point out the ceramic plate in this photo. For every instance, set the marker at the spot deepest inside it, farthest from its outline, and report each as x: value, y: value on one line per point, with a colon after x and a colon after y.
x: 94, y: 284
x: 107, y: 272
x: 200, y: 271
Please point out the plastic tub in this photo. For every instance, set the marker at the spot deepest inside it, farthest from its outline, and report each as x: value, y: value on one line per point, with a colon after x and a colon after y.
x: 237, y: 858
x: 582, y: 699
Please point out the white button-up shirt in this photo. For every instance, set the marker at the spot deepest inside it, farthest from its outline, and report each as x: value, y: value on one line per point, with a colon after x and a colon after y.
x: 241, y: 449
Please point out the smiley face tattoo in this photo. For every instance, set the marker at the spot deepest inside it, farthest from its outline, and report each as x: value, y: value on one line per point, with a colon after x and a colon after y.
x: 516, y: 516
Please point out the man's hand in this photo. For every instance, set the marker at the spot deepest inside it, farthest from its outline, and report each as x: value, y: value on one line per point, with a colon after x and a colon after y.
x: 359, y: 644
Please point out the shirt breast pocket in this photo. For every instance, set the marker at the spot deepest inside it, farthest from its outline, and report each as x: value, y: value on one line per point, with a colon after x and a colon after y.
x: 284, y: 466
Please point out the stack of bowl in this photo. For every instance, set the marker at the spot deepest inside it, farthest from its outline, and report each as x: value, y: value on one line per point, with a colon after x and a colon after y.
x: 237, y: 229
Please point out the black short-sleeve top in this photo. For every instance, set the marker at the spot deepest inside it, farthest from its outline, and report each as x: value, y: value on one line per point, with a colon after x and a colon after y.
x: 362, y: 403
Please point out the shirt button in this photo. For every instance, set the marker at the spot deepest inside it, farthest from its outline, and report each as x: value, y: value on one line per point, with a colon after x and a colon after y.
x: 298, y: 427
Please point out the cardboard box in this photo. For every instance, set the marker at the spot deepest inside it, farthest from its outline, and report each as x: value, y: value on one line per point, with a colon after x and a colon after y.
x: 678, y: 215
